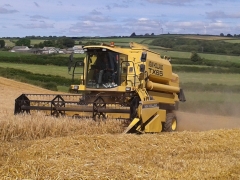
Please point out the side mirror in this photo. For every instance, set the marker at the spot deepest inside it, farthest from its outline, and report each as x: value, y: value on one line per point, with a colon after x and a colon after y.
x: 144, y: 57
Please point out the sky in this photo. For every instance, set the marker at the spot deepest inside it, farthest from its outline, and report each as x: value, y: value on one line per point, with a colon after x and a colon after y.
x: 77, y: 18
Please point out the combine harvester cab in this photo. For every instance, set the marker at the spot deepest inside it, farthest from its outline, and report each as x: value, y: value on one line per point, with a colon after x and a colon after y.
x: 134, y: 84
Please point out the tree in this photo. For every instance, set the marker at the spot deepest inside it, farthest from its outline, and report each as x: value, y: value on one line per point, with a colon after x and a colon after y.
x: 50, y: 43
x: 2, y: 43
x: 40, y: 45
x: 221, y: 34
x: 66, y: 42
x: 195, y: 57
x: 133, y: 34
x: 23, y: 42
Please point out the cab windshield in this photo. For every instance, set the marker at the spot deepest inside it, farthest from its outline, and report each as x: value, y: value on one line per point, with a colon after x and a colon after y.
x: 102, y: 69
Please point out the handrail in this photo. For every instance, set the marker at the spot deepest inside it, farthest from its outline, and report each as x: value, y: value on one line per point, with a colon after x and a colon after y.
x: 127, y: 74
x: 81, y: 63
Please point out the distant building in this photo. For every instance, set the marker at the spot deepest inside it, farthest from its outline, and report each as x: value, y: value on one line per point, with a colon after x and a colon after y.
x: 62, y: 51
x: 45, y: 50
x: 78, y: 49
x: 20, y: 49
x: 35, y: 50
x: 69, y: 50
x: 50, y: 50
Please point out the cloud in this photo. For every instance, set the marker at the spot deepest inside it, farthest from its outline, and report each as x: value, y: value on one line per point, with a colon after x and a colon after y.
x: 35, y: 26
x: 96, y: 18
x: 96, y: 29
x: 83, y: 27
x: 59, y: 3
x: 171, y: 2
x: 237, y: 28
x: 95, y: 12
x: 6, y: 11
x: 143, y: 19
x: 143, y: 25
x: 185, y: 2
x: 36, y: 4
x: 4, y: 27
x: 122, y: 17
x: 127, y: 1
x: 195, y: 27
x: 7, y: 5
x: 220, y: 14
x: 184, y: 25
x: 208, y: 4
x: 38, y: 17
x: 116, y: 5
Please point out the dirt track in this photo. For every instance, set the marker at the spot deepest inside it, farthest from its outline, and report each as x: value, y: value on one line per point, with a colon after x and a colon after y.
x: 10, y: 90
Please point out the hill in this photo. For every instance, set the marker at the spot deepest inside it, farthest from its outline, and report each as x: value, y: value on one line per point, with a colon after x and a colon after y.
x: 10, y: 90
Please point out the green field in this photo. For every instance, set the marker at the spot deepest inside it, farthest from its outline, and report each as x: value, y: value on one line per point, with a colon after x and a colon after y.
x: 210, y: 78
x: 173, y: 54
x: 36, y: 41
x: 40, y: 69
x: 188, y: 65
x: 120, y: 40
x: 185, y: 77
x: 187, y: 55
x: 202, y: 37
x: 12, y: 54
x: 19, y: 54
x: 8, y: 43
x: 234, y: 59
x: 212, y: 97
x: 232, y: 41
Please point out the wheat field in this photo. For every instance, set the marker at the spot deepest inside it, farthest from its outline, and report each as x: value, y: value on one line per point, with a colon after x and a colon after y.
x: 43, y: 147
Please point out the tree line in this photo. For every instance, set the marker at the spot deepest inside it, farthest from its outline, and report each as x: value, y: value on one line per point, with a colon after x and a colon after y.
x: 59, y: 43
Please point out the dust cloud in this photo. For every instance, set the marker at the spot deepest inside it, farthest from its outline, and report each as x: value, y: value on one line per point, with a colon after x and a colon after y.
x: 202, y: 122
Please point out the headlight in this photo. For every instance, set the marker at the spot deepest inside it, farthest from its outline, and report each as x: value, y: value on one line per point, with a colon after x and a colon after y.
x: 128, y: 88
x: 75, y: 87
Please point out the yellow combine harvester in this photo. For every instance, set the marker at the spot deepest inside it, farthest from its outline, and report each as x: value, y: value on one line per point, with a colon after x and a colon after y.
x: 134, y: 84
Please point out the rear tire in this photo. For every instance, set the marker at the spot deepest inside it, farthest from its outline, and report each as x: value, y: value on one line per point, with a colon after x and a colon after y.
x: 171, y: 123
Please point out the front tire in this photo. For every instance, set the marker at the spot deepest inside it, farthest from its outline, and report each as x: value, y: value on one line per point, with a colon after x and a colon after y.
x: 171, y: 123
